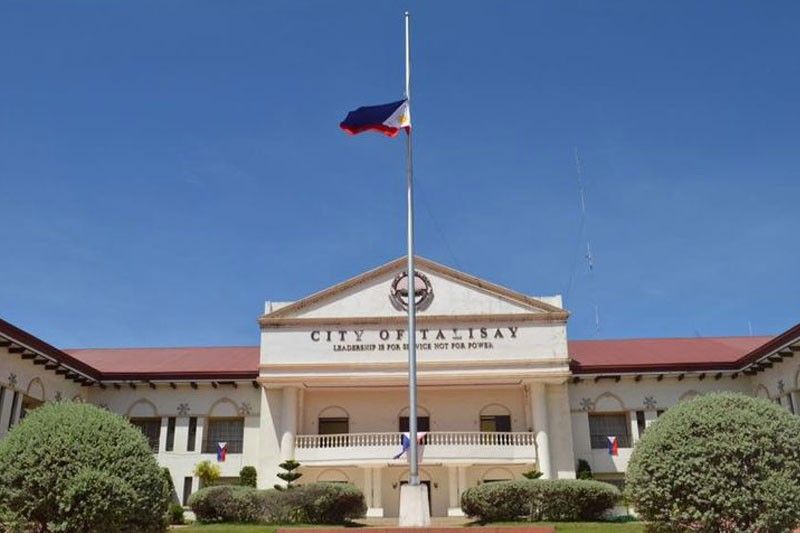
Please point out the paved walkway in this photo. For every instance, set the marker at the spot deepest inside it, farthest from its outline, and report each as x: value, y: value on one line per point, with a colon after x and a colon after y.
x: 436, y: 521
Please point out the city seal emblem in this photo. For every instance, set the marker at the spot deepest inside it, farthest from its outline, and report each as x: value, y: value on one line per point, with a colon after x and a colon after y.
x: 423, y: 291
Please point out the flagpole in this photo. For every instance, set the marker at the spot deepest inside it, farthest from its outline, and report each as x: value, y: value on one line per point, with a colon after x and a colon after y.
x: 411, y: 279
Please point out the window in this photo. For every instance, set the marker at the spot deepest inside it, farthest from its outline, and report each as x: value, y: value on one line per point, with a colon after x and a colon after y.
x: 604, y: 425
x: 333, y: 426
x: 790, y: 403
x: 14, y: 401
x: 228, y: 430
x: 192, y: 434
x: 151, y: 429
x: 423, y: 423
x: 495, y: 423
x: 641, y: 424
x: 187, y: 489
x: 170, y: 433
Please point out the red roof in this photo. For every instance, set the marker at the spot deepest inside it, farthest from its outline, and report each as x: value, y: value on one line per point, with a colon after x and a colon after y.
x: 588, y: 356
x: 638, y: 355
x: 242, y: 362
x: 218, y: 362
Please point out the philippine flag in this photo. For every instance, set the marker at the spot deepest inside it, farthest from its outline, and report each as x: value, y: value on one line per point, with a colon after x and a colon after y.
x: 405, y: 441
x: 388, y: 119
x: 222, y: 451
x: 613, y: 446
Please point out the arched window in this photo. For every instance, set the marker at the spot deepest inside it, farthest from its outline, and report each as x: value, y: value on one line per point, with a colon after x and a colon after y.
x: 495, y: 418
x: 333, y: 476
x: 423, y: 420
x: 333, y: 421
x: 224, y: 425
x: 497, y: 474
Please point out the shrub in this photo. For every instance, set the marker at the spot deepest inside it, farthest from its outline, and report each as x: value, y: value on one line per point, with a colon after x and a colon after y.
x: 316, y: 503
x: 532, y: 474
x: 207, y: 472
x: 248, y: 476
x: 329, y: 503
x: 721, y: 462
x: 584, y: 471
x: 95, y: 501
x: 75, y: 467
x: 539, y: 499
x: 226, y: 503
x: 172, y: 495
x: 176, y: 514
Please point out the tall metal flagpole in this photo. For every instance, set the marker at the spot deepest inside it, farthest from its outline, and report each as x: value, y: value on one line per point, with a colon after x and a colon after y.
x: 411, y: 279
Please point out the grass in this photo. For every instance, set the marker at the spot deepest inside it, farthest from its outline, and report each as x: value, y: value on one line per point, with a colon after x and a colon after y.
x: 596, y: 527
x: 561, y: 527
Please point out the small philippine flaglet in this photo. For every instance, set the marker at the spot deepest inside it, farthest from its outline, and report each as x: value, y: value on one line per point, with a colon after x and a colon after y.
x: 222, y: 451
x: 613, y: 446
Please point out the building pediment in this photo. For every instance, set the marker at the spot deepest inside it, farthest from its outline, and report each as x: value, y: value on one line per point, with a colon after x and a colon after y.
x: 378, y: 297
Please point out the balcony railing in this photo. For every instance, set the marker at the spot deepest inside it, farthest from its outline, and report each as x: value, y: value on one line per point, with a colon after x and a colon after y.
x: 438, y: 446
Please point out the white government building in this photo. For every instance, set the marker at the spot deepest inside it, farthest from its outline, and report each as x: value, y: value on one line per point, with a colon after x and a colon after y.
x: 502, y: 390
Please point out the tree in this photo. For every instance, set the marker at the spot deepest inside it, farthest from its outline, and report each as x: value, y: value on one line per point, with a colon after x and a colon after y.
x: 721, y: 462
x: 288, y: 475
x: 72, y: 467
x: 248, y: 476
x: 207, y: 472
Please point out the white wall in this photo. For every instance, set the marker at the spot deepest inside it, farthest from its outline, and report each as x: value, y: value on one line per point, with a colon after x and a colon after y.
x: 450, y: 409
x: 779, y: 381
x: 34, y: 381
x: 185, y: 402
x: 628, y: 396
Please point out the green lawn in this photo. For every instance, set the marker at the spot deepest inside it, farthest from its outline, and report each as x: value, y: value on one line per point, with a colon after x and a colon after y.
x: 597, y: 527
x: 561, y: 527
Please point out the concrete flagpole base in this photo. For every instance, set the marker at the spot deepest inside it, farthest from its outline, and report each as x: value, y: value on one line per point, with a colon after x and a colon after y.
x: 414, y: 511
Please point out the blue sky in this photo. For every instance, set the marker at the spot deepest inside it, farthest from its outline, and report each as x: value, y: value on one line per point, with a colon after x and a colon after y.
x: 168, y: 166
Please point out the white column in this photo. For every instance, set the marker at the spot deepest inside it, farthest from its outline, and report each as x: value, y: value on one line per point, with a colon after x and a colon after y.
x: 377, y: 490
x: 526, y: 407
x: 181, y: 433
x: 288, y: 422
x: 539, y: 412
x: 633, y: 427
x: 301, y: 410
x: 368, y: 487
x: 162, y: 435
x: 455, y: 488
x: 200, y: 434
x: 372, y: 492
x: 649, y: 418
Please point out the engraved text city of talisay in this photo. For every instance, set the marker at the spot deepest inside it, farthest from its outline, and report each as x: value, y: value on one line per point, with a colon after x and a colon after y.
x: 388, y: 340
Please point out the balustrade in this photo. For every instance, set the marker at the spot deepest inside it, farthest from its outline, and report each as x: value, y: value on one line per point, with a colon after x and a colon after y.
x: 432, y: 438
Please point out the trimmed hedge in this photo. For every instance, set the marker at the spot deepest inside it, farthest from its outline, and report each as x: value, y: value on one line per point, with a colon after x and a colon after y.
x: 721, y: 462
x: 315, y: 503
x: 540, y: 499
x: 227, y: 503
x: 248, y: 476
x: 75, y: 467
